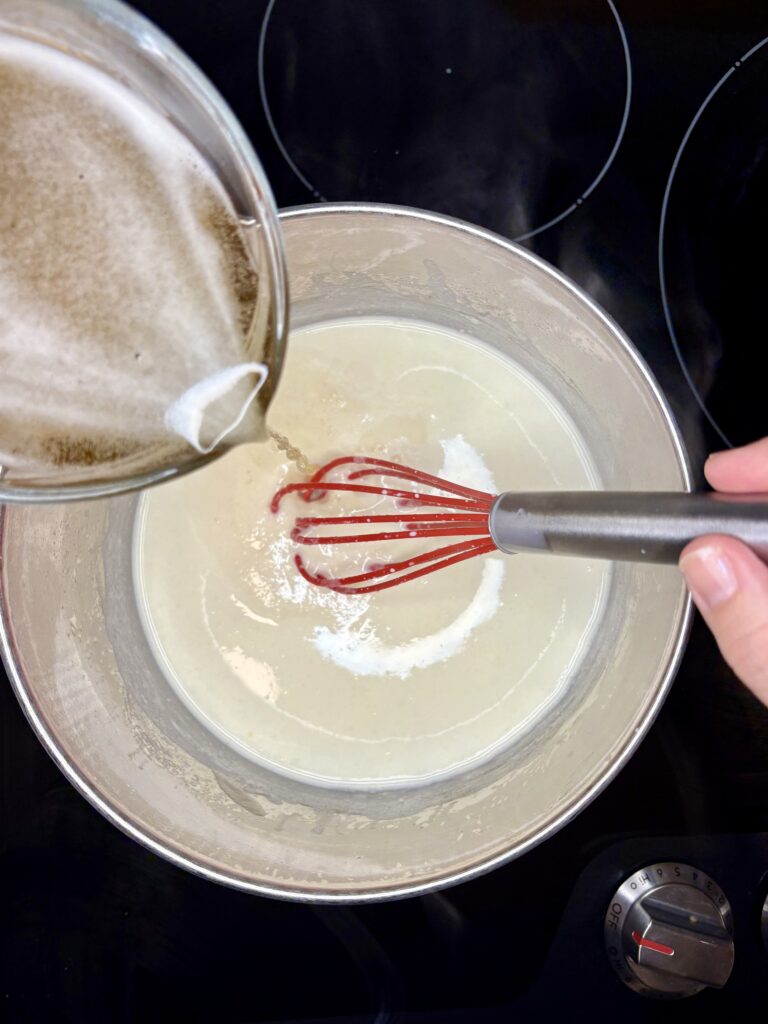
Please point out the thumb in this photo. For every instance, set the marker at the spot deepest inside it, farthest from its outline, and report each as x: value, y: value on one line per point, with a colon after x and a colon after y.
x: 729, y: 585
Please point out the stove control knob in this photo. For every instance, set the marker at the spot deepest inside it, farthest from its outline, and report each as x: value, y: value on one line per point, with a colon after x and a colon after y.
x: 669, y: 931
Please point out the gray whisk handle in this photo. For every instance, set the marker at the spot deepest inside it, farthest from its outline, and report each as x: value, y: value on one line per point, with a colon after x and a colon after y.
x: 629, y: 526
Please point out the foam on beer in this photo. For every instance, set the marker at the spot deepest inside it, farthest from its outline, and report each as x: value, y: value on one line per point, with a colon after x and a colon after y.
x: 125, y: 280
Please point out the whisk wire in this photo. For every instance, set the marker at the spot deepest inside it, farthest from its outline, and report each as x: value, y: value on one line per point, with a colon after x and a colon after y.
x: 382, y: 467
x: 466, y: 515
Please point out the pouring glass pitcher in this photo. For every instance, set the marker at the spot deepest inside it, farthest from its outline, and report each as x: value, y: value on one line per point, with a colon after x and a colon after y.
x: 108, y: 382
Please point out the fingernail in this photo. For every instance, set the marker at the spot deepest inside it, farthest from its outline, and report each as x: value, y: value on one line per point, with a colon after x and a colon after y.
x: 710, y: 576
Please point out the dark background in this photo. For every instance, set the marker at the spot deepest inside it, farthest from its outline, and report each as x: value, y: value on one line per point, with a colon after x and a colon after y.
x: 95, y: 928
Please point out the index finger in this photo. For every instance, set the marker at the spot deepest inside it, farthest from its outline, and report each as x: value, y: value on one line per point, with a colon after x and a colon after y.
x: 740, y: 470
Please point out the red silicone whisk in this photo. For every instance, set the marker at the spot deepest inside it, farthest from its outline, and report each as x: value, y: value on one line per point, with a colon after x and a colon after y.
x: 632, y: 526
x: 466, y: 514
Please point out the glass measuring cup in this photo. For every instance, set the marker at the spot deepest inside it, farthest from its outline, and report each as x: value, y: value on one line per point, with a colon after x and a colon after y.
x: 108, y: 36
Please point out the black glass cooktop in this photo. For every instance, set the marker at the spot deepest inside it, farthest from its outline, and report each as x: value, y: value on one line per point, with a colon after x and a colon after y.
x: 627, y: 143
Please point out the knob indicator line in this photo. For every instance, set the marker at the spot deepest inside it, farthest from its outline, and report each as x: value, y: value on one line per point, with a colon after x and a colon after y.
x: 657, y: 947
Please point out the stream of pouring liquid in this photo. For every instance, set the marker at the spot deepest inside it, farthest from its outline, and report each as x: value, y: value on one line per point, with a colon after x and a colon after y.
x: 292, y: 453
x: 135, y: 332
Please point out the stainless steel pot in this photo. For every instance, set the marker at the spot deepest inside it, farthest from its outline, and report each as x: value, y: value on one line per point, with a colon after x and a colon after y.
x: 82, y: 670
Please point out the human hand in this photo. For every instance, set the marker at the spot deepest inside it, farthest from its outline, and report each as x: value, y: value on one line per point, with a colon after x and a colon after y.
x: 728, y: 582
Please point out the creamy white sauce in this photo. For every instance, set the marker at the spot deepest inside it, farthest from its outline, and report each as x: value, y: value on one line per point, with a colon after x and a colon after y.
x: 396, y: 688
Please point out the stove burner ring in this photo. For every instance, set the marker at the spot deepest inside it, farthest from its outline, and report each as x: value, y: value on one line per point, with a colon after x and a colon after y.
x: 700, y: 400
x: 317, y: 194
